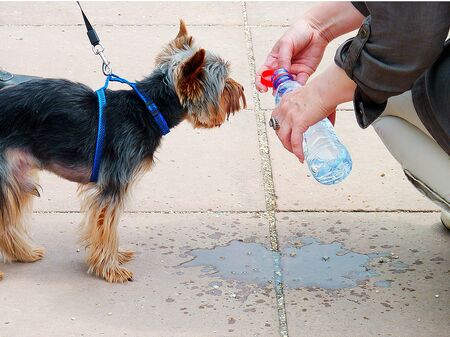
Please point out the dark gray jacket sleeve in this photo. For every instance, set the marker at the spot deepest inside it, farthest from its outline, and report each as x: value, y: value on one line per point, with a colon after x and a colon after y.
x: 397, y: 42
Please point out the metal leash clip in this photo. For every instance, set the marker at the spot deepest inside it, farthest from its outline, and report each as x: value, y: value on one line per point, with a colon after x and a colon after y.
x: 106, y: 67
x: 97, y: 47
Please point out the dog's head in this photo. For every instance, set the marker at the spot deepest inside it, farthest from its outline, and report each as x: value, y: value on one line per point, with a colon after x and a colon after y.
x: 201, y: 81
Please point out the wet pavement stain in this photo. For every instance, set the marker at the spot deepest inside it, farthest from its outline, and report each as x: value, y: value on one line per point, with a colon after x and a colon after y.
x: 240, y: 261
x: 328, y: 266
x: 312, y: 264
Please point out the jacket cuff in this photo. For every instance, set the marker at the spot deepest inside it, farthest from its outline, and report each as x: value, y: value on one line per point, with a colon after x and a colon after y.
x: 361, y: 7
x: 366, y: 110
x: 347, y: 55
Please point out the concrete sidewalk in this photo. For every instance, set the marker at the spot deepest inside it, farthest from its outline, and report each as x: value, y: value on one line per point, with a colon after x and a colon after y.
x: 232, y: 236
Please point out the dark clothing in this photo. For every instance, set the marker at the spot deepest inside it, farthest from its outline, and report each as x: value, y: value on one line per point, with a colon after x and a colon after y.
x: 431, y: 98
x: 401, y: 46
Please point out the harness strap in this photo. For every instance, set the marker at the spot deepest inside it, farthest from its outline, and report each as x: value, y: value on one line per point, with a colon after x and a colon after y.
x: 100, y: 134
x: 151, y: 106
x: 101, y: 130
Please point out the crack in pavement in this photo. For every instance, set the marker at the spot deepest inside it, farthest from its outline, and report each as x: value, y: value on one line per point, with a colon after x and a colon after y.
x: 269, y: 190
x: 137, y: 25
x: 253, y: 212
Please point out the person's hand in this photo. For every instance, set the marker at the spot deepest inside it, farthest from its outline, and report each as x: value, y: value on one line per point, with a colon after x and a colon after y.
x: 306, y: 106
x: 299, y: 51
x: 301, y: 48
x: 297, y: 111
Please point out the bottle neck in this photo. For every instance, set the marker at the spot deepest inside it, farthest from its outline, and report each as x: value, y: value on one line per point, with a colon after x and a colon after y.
x: 287, y: 86
x: 281, y: 76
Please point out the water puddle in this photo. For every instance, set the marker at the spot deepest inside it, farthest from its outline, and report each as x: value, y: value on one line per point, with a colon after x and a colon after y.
x: 328, y: 266
x: 312, y: 264
x: 240, y: 261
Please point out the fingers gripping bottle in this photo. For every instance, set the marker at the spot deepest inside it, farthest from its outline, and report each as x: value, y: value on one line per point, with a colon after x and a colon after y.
x: 327, y: 158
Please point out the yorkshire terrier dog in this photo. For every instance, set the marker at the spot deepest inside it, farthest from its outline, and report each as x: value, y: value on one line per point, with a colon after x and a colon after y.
x: 51, y: 124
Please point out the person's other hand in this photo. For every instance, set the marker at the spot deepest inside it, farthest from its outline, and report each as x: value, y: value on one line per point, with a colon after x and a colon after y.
x: 306, y: 106
x: 299, y: 50
x: 297, y: 111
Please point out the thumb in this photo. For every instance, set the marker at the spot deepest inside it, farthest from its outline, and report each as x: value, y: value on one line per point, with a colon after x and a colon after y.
x: 285, y: 55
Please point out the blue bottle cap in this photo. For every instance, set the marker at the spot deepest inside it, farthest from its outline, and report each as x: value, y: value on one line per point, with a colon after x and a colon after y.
x: 280, y: 76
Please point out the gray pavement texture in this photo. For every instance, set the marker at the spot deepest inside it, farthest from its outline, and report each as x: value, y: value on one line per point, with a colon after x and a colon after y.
x: 215, y: 189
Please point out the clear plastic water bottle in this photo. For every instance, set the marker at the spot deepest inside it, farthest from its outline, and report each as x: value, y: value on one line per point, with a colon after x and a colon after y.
x: 327, y: 158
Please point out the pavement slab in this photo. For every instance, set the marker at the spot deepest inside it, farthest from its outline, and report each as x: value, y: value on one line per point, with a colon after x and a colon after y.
x: 121, y: 13
x: 413, y: 291
x: 56, y: 296
x: 131, y: 50
x: 274, y: 13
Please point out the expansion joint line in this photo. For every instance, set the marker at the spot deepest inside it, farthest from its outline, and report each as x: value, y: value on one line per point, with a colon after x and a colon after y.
x: 269, y: 191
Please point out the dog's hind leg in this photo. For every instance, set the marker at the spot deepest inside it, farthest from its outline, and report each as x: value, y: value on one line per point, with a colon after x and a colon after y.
x: 18, y: 185
x: 102, y: 212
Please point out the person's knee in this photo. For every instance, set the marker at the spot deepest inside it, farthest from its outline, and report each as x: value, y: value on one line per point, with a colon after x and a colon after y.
x: 425, y: 164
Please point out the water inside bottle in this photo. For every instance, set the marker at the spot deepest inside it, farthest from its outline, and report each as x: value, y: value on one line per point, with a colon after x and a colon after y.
x: 329, y: 162
x: 285, y: 88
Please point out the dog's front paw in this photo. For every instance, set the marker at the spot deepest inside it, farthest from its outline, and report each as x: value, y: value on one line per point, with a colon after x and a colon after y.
x: 118, y: 275
x: 125, y: 256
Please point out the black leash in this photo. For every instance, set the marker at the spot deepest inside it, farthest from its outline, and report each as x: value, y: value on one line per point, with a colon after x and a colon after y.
x: 91, y: 33
x: 97, y: 47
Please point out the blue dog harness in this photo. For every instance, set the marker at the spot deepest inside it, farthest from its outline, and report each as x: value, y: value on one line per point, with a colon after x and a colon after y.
x: 151, y: 106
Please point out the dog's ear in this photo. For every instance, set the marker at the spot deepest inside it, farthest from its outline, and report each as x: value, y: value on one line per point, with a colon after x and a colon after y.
x: 193, y: 66
x: 190, y: 74
x: 183, y: 30
x: 181, y: 41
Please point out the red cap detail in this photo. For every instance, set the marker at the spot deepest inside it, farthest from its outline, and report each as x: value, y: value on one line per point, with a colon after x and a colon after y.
x: 266, y: 77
